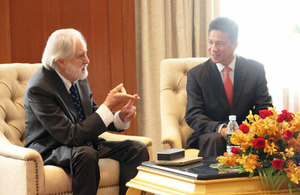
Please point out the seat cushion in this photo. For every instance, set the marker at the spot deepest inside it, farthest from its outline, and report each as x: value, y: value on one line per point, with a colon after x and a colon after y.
x: 109, y: 177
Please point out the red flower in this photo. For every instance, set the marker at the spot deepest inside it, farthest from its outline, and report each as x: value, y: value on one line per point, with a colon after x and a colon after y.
x: 259, y: 143
x: 285, y: 115
x: 265, y: 113
x: 235, y: 150
x: 277, y: 163
x: 281, y: 118
x: 244, y: 128
x: 288, y: 134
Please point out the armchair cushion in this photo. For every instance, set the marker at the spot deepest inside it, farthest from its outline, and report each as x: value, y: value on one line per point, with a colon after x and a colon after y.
x: 173, y: 100
x: 22, y: 169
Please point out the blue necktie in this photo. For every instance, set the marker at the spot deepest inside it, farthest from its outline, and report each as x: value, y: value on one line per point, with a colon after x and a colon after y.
x: 76, y: 101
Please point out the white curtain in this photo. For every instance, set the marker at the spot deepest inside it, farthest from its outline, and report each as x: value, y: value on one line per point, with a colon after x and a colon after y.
x: 166, y: 29
x: 269, y: 32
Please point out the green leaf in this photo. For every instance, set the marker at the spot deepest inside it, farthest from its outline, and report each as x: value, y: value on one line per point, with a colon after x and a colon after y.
x: 296, y: 187
x: 282, y: 180
x: 296, y: 134
x: 278, y: 177
x: 251, y: 174
x: 223, y: 167
x: 290, y: 186
x: 265, y: 177
x: 214, y: 165
x: 261, y: 178
x: 296, y: 158
x: 242, y: 170
x: 266, y: 163
x: 266, y: 137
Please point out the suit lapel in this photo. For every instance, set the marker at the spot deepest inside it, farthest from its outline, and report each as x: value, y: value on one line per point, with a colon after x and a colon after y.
x: 239, y: 81
x: 63, y: 94
x: 217, y: 86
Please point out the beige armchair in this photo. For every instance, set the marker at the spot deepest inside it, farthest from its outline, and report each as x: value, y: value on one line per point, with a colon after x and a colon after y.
x: 21, y: 169
x: 173, y: 100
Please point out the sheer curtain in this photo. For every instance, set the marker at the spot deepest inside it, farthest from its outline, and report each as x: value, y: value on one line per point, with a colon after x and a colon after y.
x: 166, y: 29
x: 269, y: 32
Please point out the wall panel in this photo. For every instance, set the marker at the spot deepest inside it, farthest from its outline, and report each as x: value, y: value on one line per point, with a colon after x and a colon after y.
x: 108, y: 26
x: 5, y: 49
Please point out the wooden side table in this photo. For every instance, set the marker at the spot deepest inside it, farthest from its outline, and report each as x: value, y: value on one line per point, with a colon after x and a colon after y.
x: 151, y: 179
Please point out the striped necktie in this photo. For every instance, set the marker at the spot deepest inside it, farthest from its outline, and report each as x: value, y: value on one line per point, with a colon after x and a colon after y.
x: 76, y: 101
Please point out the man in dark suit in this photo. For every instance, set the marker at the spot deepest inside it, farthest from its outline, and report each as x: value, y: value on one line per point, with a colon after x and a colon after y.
x: 63, y: 122
x: 224, y: 85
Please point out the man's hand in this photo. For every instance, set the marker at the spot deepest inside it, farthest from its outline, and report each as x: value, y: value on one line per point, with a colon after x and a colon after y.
x: 128, y: 112
x: 224, y: 132
x: 115, y: 97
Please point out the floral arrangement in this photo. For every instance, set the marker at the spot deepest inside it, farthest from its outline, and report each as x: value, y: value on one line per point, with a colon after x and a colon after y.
x: 267, y: 144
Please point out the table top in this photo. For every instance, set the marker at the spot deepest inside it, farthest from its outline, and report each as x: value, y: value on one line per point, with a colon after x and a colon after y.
x: 199, y: 170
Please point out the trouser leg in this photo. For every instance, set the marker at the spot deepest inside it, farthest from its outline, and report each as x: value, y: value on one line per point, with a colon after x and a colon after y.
x: 86, y: 175
x: 130, y: 154
x: 210, y: 144
x: 81, y: 163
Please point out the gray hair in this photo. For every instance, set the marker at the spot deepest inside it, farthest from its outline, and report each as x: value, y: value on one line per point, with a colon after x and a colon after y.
x: 61, y: 45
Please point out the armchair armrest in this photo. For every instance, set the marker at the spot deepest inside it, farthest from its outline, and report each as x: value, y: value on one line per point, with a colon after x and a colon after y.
x: 170, y: 133
x: 119, y: 137
x: 171, y: 136
x: 22, y: 169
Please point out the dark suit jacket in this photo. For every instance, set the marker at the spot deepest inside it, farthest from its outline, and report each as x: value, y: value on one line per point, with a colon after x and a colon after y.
x: 207, y: 104
x: 51, y: 118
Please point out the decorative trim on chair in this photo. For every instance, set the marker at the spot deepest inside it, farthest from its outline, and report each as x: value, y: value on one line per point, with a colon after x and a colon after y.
x: 36, y: 175
x: 61, y: 193
x: 36, y: 170
x: 168, y: 142
x: 148, y: 145
x: 109, y: 186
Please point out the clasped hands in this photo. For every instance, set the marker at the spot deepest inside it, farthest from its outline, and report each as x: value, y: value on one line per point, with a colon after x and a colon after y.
x: 115, y: 97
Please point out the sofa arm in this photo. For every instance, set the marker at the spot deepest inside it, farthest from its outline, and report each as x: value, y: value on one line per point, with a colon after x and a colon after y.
x: 170, y: 133
x: 119, y: 137
x: 172, y: 138
x: 21, y: 169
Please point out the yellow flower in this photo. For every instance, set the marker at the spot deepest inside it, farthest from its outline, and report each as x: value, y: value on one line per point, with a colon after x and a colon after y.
x: 289, y: 152
x: 294, y: 179
x: 283, y: 155
x: 294, y: 143
x: 229, y: 160
x: 292, y: 172
x: 271, y: 149
x: 250, y: 162
x: 244, y: 140
x: 250, y: 117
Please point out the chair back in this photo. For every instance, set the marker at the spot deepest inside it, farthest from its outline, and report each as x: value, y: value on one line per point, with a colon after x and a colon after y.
x: 13, y: 80
x: 173, y: 100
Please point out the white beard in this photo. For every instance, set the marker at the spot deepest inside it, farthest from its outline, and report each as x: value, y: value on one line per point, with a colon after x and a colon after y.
x: 77, y: 73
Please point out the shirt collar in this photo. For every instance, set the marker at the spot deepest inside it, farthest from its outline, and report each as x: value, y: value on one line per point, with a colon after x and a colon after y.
x: 67, y: 83
x: 231, y: 65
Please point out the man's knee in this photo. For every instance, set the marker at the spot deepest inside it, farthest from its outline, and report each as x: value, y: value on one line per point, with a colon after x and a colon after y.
x: 213, y: 137
x: 139, y: 148
x: 216, y: 137
x: 84, y: 154
x: 139, y: 145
